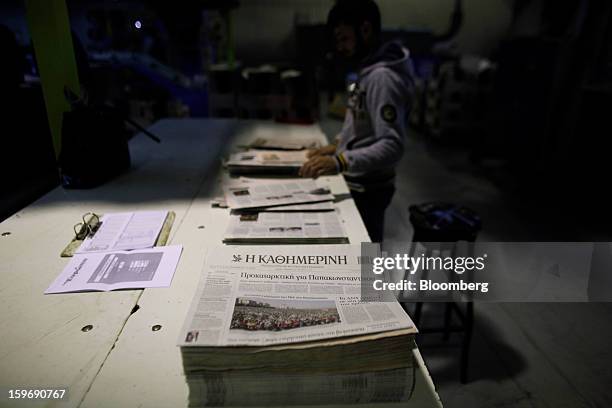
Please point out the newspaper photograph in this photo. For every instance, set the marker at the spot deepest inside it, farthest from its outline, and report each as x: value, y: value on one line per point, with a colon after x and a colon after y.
x: 291, y: 227
x: 252, y: 313
x: 261, y: 194
x: 269, y: 295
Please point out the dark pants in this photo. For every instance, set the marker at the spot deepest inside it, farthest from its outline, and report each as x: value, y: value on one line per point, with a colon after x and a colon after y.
x: 372, y: 206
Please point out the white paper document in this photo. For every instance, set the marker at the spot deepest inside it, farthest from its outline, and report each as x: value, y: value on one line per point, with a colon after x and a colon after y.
x: 145, y: 268
x: 131, y: 230
x: 266, y: 295
x: 261, y: 194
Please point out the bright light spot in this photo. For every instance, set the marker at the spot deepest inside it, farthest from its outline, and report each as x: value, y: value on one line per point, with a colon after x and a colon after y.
x: 137, y: 24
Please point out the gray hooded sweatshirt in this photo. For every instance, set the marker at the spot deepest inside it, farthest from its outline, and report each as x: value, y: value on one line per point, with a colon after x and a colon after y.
x: 372, y: 137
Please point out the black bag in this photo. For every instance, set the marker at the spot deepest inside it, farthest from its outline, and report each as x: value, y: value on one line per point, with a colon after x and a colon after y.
x: 94, y: 147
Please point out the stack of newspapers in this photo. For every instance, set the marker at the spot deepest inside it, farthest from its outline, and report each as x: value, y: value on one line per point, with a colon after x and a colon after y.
x: 270, y: 162
x: 282, y: 326
x: 281, y: 212
x: 272, y: 155
x: 283, y: 144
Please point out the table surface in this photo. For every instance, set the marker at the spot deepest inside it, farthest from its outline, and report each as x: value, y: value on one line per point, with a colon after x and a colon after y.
x: 122, y: 361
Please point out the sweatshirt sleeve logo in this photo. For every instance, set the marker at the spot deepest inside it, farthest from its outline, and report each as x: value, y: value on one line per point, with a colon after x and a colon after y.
x: 388, y: 113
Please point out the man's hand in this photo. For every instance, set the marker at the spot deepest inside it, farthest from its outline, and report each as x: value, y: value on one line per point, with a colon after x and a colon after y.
x: 328, y: 150
x: 319, y: 166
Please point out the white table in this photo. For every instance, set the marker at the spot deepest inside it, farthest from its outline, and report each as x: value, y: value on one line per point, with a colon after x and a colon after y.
x: 122, y: 361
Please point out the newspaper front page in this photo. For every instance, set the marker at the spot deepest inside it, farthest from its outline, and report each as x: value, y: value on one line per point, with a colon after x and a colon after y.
x: 271, y: 295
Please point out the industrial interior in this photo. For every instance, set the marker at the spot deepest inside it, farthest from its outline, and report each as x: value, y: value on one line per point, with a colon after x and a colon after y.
x: 508, y: 117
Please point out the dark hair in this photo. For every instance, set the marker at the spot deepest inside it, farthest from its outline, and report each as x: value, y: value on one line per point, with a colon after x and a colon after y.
x: 354, y: 13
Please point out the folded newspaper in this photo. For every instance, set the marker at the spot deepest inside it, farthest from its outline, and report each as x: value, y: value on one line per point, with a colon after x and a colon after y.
x: 278, y: 326
x: 262, y: 194
x: 312, y: 207
x: 283, y: 144
x: 266, y: 162
x: 286, y: 228
x: 219, y: 202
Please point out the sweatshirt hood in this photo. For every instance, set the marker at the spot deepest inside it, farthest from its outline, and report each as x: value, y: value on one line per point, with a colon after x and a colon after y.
x: 392, y: 55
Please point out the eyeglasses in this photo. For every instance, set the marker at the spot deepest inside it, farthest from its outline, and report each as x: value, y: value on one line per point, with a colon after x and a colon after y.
x: 88, y: 226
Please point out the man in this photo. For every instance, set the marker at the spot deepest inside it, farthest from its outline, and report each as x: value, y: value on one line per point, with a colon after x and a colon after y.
x: 372, y: 138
